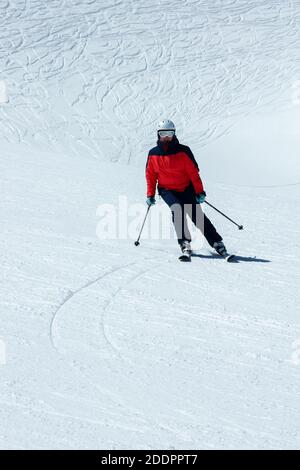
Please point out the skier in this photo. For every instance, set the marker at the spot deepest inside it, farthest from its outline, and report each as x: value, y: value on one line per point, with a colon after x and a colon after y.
x: 173, y: 167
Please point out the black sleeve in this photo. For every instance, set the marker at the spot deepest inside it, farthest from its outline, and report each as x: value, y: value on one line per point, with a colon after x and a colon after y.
x: 191, y: 156
x: 147, y: 160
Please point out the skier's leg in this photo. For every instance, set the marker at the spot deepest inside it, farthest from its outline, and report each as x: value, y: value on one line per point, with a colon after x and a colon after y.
x: 173, y: 199
x: 198, y: 217
x: 210, y: 232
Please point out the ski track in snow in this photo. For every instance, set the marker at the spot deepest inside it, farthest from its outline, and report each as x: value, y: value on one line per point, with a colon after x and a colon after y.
x: 80, y: 289
x: 82, y: 367
x: 87, y: 63
x: 96, y: 283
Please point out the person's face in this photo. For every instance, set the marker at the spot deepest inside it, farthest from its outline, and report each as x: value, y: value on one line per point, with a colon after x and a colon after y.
x: 166, y: 136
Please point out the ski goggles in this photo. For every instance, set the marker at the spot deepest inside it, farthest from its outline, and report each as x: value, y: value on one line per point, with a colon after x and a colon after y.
x: 166, y: 133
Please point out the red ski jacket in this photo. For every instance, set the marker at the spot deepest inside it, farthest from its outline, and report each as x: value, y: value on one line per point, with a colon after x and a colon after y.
x: 173, y: 167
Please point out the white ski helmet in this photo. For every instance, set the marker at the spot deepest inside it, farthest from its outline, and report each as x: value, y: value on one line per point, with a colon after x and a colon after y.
x: 166, y: 125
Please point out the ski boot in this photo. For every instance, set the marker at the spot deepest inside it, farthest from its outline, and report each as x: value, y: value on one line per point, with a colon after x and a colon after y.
x: 186, y: 251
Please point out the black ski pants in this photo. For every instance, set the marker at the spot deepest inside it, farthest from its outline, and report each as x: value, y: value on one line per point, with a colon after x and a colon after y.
x: 183, y: 204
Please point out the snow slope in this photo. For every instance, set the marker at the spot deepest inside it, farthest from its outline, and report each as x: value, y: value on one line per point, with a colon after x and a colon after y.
x: 105, y: 345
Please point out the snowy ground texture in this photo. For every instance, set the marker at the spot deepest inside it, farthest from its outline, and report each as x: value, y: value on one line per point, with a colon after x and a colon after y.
x: 105, y: 345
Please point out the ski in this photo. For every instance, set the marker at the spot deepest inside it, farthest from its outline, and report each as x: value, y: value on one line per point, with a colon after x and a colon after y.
x: 185, y: 257
x: 228, y: 256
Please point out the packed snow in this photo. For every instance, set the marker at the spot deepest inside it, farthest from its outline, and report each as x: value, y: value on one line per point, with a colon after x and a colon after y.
x: 105, y: 345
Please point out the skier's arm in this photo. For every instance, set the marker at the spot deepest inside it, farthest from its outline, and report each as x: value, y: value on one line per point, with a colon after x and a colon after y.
x: 193, y: 173
x: 191, y: 156
x: 151, y: 178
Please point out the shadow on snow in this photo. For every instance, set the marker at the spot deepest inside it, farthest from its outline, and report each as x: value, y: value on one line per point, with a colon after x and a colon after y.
x: 236, y: 259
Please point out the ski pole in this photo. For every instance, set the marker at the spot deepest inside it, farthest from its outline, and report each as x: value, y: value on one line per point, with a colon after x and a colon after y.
x: 137, y: 241
x: 239, y: 226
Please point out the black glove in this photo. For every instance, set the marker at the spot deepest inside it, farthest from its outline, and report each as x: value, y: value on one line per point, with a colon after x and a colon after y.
x: 150, y: 200
x: 200, y: 197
